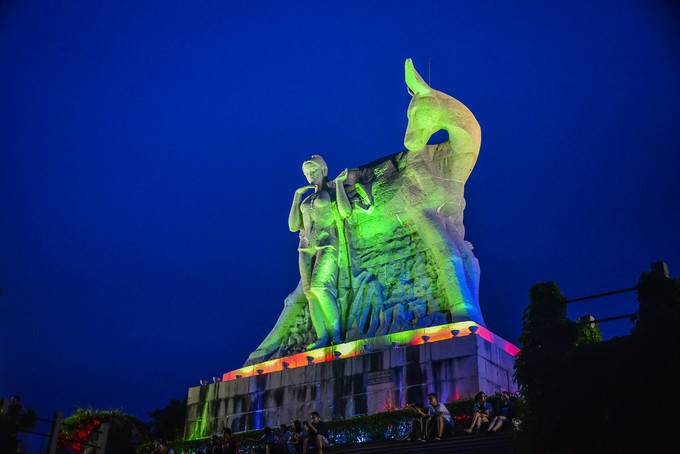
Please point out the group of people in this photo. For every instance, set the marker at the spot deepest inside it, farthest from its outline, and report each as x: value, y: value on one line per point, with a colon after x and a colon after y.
x: 485, y: 416
x: 226, y: 445
x: 431, y: 423
x: 435, y: 421
x: 299, y: 438
x: 162, y: 448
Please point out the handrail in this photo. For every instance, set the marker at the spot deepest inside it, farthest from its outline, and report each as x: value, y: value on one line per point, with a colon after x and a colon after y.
x: 587, y: 322
x: 600, y: 295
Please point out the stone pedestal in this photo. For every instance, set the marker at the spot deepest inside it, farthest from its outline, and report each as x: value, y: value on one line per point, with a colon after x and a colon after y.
x: 454, y: 368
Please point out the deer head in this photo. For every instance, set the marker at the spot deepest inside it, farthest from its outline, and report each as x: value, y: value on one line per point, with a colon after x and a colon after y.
x: 423, y: 113
x: 431, y: 110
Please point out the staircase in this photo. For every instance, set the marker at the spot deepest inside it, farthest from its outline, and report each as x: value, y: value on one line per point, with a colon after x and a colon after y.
x: 468, y: 444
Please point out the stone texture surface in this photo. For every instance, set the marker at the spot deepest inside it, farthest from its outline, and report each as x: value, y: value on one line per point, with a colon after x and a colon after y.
x: 364, y: 384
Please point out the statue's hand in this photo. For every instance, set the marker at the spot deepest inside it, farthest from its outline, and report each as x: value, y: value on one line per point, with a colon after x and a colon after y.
x: 343, y: 176
x: 304, y: 189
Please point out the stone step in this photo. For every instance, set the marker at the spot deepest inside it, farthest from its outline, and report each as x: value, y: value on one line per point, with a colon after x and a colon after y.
x: 499, y: 443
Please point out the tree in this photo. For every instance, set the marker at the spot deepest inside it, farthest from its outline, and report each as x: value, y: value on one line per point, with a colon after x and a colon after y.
x: 547, y: 338
x: 588, y: 333
x: 167, y: 423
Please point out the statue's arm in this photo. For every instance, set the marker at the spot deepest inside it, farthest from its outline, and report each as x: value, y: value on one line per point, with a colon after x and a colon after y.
x: 295, y: 216
x: 344, y: 207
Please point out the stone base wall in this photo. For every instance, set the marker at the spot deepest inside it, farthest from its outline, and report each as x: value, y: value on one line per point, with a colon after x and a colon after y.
x: 373, y: 382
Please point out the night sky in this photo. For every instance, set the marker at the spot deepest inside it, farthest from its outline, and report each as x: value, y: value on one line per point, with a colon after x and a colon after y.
x: 149, y: 152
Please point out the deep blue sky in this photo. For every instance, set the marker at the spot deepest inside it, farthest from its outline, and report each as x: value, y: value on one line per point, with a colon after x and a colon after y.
x: 149, y: 153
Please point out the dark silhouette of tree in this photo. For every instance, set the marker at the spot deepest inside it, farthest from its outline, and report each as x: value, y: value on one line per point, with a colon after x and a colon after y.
x: 167, y: 423
x: 547, y: 338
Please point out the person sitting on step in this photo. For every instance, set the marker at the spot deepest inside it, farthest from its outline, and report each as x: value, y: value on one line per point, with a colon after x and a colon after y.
x: 505, y: 412
x: 317, y: 432
x: 418, y: 423
x: 438, y: 418
x: 481, y: 414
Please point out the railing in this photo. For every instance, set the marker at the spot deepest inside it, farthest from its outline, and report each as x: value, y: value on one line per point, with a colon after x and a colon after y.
x: 656, y: 266
x: 600, y: 295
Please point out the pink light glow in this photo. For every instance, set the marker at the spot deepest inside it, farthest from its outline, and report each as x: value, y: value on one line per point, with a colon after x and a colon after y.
x: 502, y: 343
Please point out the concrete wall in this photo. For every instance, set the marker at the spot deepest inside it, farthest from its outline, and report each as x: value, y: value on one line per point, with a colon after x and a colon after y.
x: 454, y: 368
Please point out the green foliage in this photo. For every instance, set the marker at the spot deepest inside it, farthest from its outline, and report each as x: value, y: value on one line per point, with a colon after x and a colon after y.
x: 587, y: 334
x: 167, y: 423
x: 83, y: 416
x: 379, y: 426
x: 77, y: 428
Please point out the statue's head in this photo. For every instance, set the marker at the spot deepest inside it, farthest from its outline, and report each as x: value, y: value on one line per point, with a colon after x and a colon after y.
x: 315, y: 169
x: 424, y: 111
x: 431, y: 110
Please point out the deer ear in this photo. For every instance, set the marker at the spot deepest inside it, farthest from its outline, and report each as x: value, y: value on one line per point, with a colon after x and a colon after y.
x: 415, y: 83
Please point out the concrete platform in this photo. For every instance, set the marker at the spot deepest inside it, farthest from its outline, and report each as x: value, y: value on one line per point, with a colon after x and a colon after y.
x: 454, y: 368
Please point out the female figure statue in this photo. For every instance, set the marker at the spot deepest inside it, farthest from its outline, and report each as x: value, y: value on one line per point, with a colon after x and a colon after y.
x: 318, y: 249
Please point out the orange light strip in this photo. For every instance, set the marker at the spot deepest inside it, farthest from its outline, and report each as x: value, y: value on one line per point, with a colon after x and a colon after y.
x: 358, y: 347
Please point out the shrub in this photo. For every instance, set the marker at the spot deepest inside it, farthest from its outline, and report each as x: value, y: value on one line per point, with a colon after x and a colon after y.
x: 80, y: 429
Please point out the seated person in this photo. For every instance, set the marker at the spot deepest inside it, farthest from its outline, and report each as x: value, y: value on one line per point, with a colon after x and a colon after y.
x: 228, y: 444
x: 438, y: 418
x: 317, y: 432
x: 267, y: 442
x: 481, y: 414
x: 215, y: 446
x: 162, y: 448
x: 505, y: 412
x: 298, y: 436
x: 284, y: 439
x: 418, y: 423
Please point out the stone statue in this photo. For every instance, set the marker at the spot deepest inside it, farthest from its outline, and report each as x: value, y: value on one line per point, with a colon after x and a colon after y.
x: 316, y: 218
x: 382, y: 247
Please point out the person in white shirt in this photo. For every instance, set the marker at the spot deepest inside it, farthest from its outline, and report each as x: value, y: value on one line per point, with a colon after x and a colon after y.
x: 438, y: 418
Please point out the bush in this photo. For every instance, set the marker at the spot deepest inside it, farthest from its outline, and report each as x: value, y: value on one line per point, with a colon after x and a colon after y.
x: 80, y: 429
